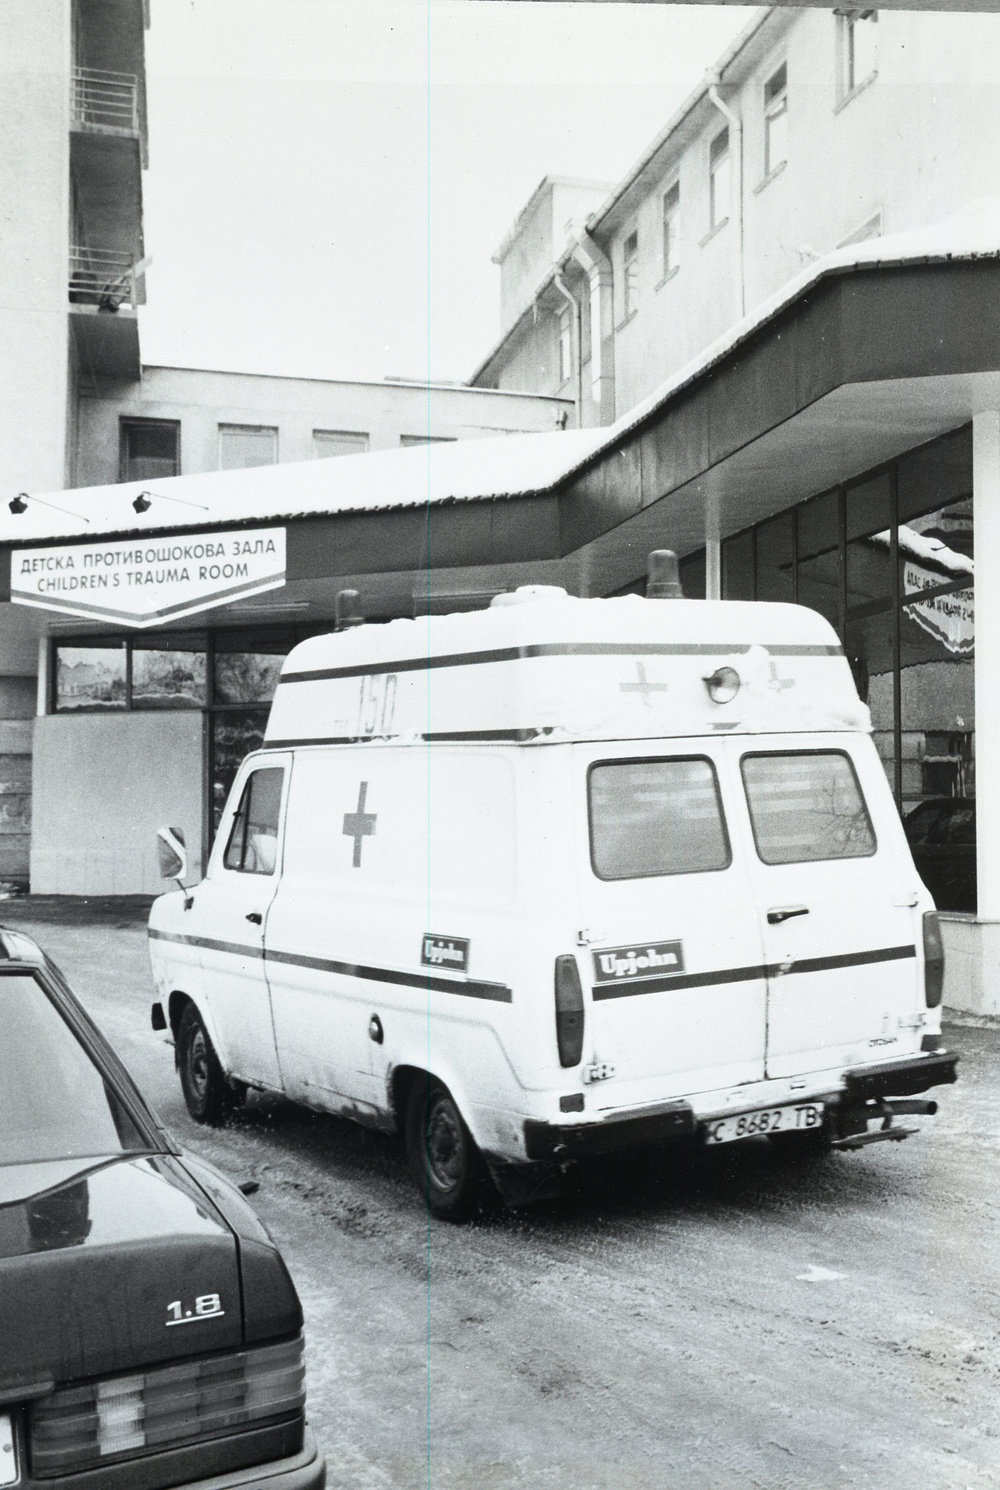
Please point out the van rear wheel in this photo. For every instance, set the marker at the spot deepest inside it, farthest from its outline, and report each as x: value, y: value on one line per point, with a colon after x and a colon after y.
x: 445, y: 1161
x: 208, y: 1096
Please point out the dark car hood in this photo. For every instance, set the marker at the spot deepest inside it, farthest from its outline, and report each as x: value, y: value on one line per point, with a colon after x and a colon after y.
x: 91, y: 1261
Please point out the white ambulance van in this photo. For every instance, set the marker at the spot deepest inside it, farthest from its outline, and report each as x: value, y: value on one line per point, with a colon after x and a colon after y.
x: 558, y: 878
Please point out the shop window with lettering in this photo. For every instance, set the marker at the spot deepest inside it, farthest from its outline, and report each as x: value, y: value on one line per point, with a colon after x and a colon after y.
x: 937, y: 696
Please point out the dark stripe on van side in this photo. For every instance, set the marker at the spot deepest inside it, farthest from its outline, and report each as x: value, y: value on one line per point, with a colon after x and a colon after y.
x: 555, y: 649
x: 319, y: 740
x: 498, y: 993
x: 624, y: 988
x: 204, y: 941
x: 479, y: 736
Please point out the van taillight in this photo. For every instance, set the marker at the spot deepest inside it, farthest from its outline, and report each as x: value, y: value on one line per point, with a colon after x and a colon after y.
x: 569, y: 1012
x: 933, y: 960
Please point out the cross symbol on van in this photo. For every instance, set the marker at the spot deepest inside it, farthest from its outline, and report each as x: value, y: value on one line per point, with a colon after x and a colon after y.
x: 643, y: 686
x: 360, y: 824
x: 779, y: 684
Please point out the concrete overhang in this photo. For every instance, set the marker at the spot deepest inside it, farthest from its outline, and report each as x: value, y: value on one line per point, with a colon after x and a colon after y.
x: 866, y: 365
x: 107, y: 342
x: 871, y: 351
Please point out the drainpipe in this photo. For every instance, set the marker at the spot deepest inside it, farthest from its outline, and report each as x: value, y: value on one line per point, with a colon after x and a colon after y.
x: 577, y: 344
x: 597, y: 267
x: 736, y: 141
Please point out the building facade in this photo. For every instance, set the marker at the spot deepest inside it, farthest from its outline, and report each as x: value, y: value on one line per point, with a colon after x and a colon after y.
x: 816, y: 130
x: 175, y: 421
x: 78, y: 408
x: 817, y: 419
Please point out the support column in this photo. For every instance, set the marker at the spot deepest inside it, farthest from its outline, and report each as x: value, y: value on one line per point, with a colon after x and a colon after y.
x: 713, y: 551
x: 986, y: 526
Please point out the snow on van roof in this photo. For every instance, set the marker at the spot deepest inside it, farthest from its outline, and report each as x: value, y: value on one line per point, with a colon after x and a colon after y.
x: 556, y: 667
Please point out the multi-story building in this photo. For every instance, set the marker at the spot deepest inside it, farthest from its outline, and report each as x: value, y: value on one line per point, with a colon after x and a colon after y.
x: 817, y: 129
x: 817, y: 135
x: 799, y: 421
x: 77, y: 406
x: 72, y: 149
x: 175, y: 421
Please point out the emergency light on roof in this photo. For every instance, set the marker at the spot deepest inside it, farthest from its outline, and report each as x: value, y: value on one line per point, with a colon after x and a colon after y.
x: 561, y: 668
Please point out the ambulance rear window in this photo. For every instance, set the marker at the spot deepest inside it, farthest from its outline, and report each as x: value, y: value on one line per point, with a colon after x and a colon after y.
x: 652, y: 817
x: 806, y: 805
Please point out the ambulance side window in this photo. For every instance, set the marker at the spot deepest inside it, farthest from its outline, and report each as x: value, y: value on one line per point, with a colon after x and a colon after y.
x: 253, y: 841
x: 806, y: 805
x: 652, y: 817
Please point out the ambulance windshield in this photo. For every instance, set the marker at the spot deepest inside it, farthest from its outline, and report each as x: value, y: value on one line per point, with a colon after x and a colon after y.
x: 652, y: 817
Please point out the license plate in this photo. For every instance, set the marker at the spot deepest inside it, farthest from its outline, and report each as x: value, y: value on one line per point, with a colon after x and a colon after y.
x: 801, y: 1118
x: 8, y: 1454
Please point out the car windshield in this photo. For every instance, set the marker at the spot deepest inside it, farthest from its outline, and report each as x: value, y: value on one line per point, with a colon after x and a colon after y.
x: 54, y: 1101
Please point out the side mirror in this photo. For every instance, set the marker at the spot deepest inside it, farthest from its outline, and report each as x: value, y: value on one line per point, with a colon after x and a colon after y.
x: 172, y: 853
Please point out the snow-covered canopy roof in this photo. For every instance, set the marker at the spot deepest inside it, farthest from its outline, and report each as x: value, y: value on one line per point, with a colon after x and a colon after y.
x: 467, y: 470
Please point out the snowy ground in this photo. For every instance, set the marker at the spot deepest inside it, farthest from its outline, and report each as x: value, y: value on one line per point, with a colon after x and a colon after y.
x: 711, y: 1326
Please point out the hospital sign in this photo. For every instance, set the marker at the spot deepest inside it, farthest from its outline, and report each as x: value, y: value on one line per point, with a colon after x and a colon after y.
x: 149, y: 581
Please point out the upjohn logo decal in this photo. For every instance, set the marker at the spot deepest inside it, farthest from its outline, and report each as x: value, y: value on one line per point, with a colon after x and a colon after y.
x: 445, y: 951
x: 641, y: 960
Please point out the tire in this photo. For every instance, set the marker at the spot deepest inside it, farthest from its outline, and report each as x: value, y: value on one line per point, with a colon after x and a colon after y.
x: 207, y: 1094
x: 445, y: 1161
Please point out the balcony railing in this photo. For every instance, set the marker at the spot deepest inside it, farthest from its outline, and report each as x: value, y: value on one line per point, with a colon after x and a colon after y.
x: 101, y: 277
x: 105, y: 102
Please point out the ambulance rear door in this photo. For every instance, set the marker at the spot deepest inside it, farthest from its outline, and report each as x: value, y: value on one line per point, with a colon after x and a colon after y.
x: 838, y: 897
x: 674, y: 957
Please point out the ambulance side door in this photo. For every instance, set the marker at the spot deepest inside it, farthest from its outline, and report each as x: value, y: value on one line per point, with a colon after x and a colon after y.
x: 321, y: 994
x: 228, y: 915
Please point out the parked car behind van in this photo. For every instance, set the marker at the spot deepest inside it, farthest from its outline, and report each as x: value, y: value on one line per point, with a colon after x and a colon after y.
x: 941, y: 832
x: 150, y: 1336
x: 557, y: 878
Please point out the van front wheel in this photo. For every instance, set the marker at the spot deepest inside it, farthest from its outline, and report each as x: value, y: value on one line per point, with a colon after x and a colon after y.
x: 207, y: 1094
x: 446, y: 1164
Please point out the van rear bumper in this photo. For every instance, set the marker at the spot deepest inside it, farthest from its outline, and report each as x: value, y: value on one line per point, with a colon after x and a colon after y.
x: 900, y: 1078
x: 559, y: 1144
x: 556, y: 1143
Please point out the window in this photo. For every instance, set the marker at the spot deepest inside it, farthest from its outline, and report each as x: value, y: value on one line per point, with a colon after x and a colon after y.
x: 565, y: 346
x: 652, y: 817
x: 54, y: 1102
x: 253, y: 841
x: 718, y: 179
x: 672, y: 229
x: 806, y: 806
x: 776, y: 120
x: 630, y: 275
x: 243, y: 445
x: 148, y: 449
x: 327, y: 442
x: 168, y: 674
x: 408, y: 441
x: 90, y: 678
x: 858, y: 47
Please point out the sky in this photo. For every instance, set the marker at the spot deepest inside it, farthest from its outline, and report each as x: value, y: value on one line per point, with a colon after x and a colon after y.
x: 329, y: 179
